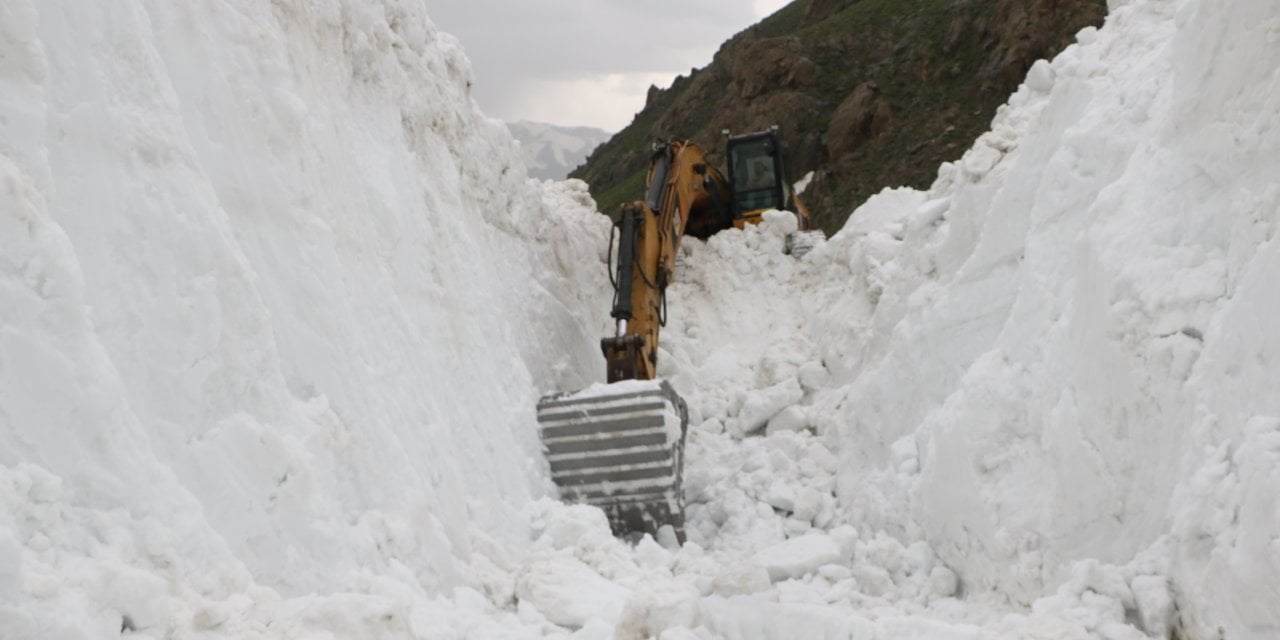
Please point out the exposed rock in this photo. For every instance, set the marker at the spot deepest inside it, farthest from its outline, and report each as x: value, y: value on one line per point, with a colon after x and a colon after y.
x: 769, y: 65
x: 862, y: 116
x: 1025, y: 32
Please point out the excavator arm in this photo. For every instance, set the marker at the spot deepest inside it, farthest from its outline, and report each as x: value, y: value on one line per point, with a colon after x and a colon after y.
x: 684, y: 192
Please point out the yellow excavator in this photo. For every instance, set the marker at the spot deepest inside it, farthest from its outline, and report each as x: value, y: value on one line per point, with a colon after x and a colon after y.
x: 620, y: 446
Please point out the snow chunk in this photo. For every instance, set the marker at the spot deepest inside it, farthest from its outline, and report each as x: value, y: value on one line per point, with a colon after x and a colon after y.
x: 943, y: 582
x: 562, y: 526
x: 568, y: 592
x: 741, y: 579
x: 759, y: 407
x: 813, y: 376
x: 1040, y: 77
x: 873, y: 579
x: 10, y: 565
x: 652, y: 555
x: 792, y: 418
x: 656, y: 608
x: 1154, y: 603
x: 781, y: 496
x: 799, y: 556
x: 981, y: 159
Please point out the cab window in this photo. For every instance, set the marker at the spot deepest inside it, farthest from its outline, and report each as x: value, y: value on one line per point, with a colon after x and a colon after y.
x: 755, y: 177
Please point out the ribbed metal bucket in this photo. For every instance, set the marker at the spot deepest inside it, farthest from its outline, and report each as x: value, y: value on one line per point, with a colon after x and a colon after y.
x: 620, y: 447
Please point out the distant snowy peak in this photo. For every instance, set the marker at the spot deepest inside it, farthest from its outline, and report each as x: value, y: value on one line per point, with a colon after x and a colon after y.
x: 552, y: 151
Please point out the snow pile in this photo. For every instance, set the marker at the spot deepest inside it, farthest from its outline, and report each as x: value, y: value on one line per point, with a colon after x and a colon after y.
x: 749, y: 572
x: 276, y: 303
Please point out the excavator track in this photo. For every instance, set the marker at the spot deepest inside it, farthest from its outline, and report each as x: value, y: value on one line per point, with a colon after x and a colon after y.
x: 620, y: 447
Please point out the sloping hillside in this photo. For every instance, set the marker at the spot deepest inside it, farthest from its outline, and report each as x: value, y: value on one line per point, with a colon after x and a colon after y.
x: 869, y: 93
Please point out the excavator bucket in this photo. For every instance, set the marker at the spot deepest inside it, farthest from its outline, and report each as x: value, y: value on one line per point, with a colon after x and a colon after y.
x: 620, y: 447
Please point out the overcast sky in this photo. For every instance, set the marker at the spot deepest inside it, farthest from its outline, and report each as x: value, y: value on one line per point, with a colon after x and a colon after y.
x: 586, y: 62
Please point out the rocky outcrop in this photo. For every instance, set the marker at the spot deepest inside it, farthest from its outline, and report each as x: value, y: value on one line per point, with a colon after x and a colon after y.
x: 862, y: 116
x: 769, y: 65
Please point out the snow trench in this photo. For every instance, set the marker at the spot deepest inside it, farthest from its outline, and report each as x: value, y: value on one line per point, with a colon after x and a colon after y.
x: 277, y: 300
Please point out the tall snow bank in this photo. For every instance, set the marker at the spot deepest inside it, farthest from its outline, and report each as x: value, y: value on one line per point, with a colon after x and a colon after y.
x: 276, y: 302
x: 1057, y: 366
x: 1065, y: 350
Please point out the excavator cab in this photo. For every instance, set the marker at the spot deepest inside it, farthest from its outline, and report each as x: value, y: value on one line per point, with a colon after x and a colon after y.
x: 758, y: 169
x: 758, y: 166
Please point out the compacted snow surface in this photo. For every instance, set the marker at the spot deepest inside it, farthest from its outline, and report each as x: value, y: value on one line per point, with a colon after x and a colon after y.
x: 277, y: 301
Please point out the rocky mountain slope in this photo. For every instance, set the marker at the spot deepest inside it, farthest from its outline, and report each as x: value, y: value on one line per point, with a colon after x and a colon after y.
x: 552, y: 151
x: 868, y: 93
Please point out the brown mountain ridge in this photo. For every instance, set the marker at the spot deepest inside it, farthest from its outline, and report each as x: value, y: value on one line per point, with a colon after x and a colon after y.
x: 868, y: 93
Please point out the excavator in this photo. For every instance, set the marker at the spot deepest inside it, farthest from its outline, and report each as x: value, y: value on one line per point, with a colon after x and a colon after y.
x: 620, y: 446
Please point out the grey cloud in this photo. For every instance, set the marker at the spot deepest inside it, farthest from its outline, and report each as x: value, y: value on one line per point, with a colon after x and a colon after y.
x: 572, y: 37
x: 515, y: 47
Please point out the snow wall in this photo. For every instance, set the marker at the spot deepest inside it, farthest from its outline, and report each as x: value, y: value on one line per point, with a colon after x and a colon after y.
x: 276, y: 303
x: 1065, y: 351
x: 1057, y: 366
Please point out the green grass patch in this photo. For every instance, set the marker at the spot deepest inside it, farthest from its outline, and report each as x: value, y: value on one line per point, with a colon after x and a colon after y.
x: 784, y: 21
x: 628, y: 190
